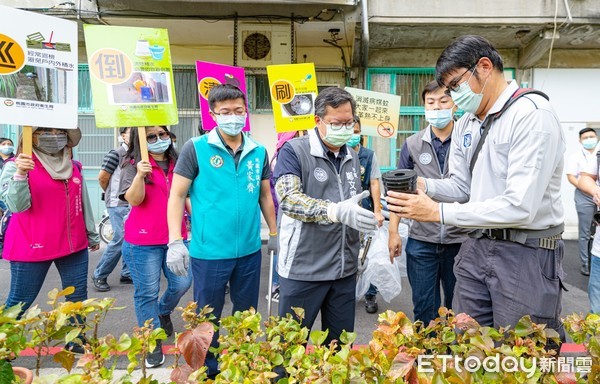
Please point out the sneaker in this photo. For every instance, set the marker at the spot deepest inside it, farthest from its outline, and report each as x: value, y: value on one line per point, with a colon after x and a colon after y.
x: 166, y: 324
x: 126, y: 280
x: 585, y: 271
x: 371, y: 304
x: 101, y: 285
x: 227, y: 289
x: 155, y: 358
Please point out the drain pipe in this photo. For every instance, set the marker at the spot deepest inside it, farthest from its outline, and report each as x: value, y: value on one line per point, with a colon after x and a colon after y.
x: 365, y: 40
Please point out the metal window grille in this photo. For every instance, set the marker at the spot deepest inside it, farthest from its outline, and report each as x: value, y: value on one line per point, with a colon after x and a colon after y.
x: 408, y: 84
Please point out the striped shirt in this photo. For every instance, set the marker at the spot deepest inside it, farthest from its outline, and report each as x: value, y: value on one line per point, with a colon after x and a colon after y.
x: 111, y: 161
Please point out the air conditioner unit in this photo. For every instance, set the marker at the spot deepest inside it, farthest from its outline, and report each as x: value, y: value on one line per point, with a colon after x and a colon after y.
x: 260, y: 45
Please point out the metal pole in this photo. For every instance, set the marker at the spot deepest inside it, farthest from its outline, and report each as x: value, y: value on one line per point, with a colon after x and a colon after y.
x: 365, y: 40
x: 270, y: 292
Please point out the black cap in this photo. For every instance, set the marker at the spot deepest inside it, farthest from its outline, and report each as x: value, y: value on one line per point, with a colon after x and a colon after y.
x: 584, y: 130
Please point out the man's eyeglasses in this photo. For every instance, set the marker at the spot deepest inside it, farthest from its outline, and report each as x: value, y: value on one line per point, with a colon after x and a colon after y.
x: 338, y: 126
x: 152, y: 138
x: 454, y: 84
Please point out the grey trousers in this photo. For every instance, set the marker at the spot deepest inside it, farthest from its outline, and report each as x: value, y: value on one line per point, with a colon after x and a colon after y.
x: 498, y: 282
x: 585, y: 211
x: 335, y: 299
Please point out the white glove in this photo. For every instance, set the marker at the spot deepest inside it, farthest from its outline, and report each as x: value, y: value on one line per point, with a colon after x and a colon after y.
x: 348, y: 212
x: 178, y: 258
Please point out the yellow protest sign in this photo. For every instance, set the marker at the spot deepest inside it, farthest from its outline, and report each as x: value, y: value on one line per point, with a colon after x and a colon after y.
x: 293, y: 93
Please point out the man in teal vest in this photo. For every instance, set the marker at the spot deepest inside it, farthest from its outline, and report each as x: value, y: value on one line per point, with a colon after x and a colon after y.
x: 227, y: 175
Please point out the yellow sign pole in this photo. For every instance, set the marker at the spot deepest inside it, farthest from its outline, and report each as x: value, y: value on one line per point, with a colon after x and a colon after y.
x: 143, y: 143
x: 27, y: 139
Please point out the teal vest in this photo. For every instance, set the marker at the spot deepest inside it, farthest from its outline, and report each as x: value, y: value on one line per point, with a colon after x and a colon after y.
x: 225, y: 200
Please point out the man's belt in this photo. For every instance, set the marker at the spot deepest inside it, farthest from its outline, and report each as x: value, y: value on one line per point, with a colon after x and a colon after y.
x: 548, y: 238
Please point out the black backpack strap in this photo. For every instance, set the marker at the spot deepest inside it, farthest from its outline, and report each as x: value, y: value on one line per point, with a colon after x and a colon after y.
x: 489, y: 119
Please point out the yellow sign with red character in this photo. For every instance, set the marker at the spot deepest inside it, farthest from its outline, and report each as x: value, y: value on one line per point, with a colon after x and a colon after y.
x: 293, y: 93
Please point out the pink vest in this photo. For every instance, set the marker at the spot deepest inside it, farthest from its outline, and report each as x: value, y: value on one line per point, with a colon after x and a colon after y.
x: 147, y: 222
x: 54, y: 225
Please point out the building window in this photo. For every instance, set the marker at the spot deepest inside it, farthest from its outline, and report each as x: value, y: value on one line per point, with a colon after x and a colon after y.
x: 186, y: 92
x: 259, y: 94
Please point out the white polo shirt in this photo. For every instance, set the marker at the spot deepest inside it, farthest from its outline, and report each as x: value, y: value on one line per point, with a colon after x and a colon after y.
x: 517, y: 178
x: 579, y: 161
x: 592, y: 168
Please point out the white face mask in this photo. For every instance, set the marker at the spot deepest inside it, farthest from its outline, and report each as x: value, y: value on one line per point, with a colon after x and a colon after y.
x: 124, y: 140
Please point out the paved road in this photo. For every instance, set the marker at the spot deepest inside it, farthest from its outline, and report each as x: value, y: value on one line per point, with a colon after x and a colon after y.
x: 123, y: 321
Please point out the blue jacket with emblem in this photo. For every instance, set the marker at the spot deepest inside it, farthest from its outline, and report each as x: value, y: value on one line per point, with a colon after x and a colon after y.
x: 225, y: 200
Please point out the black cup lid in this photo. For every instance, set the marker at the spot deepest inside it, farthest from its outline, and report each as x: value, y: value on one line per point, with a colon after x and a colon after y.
x: 399, y: 175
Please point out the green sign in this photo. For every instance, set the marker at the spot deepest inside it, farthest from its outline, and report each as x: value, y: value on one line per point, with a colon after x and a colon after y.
x: 131, y: 75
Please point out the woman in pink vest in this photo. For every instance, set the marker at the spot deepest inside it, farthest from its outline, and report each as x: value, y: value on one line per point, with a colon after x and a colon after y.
x: 145, y: 185
x: 52, y: 219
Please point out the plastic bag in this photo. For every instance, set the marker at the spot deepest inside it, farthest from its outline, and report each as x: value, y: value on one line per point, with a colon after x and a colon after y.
x: 378, y: 270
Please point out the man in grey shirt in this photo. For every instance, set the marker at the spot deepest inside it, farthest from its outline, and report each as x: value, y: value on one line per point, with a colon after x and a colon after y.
x: 510, y: 192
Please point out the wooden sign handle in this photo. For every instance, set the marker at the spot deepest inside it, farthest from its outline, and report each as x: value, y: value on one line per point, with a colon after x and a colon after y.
x: 143, y: 143
x: 27, y: 139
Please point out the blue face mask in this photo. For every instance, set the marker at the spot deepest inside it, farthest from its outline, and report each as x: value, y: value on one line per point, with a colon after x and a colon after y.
x: 160, y: 146
x: 465, y: 98
x: 589, y: 143
x: 7, y: 149
x: 354, y: 141
x: 438, y: 118
x: 231, y: 125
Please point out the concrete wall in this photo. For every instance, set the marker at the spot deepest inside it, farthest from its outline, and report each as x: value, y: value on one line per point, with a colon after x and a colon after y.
x: 188, y: 54
x: 426, y: 57
x: 576, y: 104
x: 477, y: 11
x: 423, y: 57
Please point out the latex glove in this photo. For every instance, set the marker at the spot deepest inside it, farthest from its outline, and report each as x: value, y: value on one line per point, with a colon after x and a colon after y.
x: 178, y: 258
x: 272, y: 243
x: 348, y: 212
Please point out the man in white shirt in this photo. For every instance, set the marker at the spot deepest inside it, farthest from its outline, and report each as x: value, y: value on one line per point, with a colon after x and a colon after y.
x: 510, y: 192
x: 588, y: 183
x: 577, y: 162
